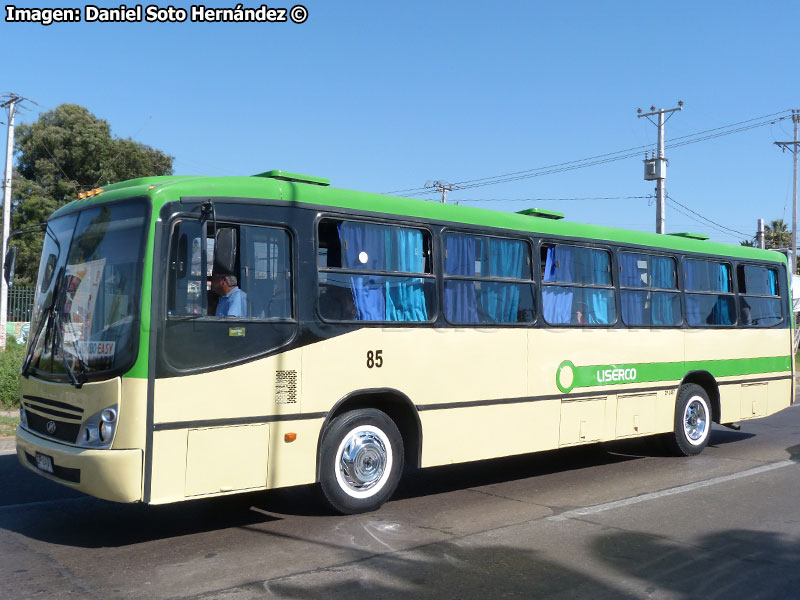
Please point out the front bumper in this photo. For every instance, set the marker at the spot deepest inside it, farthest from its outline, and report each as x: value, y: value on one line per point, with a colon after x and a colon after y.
x: 108, y: 474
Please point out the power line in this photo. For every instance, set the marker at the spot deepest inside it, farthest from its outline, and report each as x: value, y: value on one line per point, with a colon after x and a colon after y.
x: 714, y: 223
x: 608, y: 157
x: 585, y: 198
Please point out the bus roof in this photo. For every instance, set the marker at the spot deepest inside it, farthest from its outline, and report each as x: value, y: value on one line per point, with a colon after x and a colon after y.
x: 308, y: 190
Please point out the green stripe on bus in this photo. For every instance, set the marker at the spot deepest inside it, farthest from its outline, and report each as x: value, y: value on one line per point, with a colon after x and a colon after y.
x: 569, y: 376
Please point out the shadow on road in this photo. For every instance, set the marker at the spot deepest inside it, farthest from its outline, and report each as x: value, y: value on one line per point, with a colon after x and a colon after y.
x: 91, y: 523
x: 728, y: 564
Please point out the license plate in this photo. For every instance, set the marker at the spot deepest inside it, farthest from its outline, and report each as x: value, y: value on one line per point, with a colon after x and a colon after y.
x: 44, y: 462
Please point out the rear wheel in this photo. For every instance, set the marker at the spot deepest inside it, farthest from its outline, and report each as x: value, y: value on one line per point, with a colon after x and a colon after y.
x: 361, y: 461
x: 692, y: 421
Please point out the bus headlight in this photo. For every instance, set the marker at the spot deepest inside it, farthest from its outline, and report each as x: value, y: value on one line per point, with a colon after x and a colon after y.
x: 98, y: 430
x: 23, y: 417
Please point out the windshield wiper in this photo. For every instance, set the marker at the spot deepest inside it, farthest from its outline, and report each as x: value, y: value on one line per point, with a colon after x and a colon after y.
x: 57, y: 307
x: 26, y: 365
x: 52, y: 318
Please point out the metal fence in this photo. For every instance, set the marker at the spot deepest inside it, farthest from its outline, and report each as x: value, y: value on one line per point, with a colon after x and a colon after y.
x: 20, y: 303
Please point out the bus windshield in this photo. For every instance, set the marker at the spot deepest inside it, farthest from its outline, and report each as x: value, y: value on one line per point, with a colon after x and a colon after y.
x: 86, y: 315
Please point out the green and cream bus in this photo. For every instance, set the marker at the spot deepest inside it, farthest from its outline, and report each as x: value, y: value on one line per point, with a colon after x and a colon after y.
x: 373, y: 334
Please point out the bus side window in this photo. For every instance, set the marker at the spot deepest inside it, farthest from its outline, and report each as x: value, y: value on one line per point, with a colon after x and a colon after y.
x: 576, y: 286
x: 374, y: 272
x: 709, y: 293
x: 265, y: 266
x: 759, y: 303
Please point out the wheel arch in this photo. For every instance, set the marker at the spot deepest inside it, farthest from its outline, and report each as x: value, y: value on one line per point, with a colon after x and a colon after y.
x: 396, y: 405
x: 707, y: 381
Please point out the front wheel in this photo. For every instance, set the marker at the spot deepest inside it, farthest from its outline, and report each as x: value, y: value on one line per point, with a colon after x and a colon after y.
x: 692, y: 421
x: 361, y: 460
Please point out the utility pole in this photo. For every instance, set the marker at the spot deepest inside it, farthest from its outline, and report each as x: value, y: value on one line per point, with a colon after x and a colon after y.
x: 786, y: 146
x: 441, y: 186
x: 656, y: 168
x: 12, y: 103
x: 760, y: 234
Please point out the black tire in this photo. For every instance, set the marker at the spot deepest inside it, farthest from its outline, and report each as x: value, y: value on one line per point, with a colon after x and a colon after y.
x: 692, y: 421
x: 367, y: 478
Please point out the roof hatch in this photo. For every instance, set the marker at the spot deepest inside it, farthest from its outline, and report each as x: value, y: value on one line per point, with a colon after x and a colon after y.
x: 296, y: 177
x: 541, y: 213
x: 691, y: 236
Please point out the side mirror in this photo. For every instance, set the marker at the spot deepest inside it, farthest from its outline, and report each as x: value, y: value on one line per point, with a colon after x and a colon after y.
x: 11, y: 264
x: 225, y: 251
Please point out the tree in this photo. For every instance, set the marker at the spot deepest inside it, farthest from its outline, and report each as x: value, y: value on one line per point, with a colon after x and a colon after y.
x: 67, y: 151
x: 777, y: 234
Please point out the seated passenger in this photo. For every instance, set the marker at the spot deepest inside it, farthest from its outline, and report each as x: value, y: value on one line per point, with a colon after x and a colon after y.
x: 232, y: 300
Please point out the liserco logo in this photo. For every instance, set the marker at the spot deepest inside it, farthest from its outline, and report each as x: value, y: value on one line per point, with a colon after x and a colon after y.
x: 606, y: 375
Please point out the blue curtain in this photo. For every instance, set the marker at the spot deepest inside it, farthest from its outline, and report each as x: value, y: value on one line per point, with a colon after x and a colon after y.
x: 556, y: 301
x: 460, y: 300
x: 598, y: 302
x: 721, y: 313
x: 380, y: 248
x: 663, y: 309
x: 633, y: 303
x: 693, y: 316
x: 405, y: 297
x: 664, y: 277
x: 364, y: 247
x: 690, y: 274
x: 721, y: 280
x: 773, y: 282
x: 629, y: 273
x: 501, y: 300
x: 662, y: 271
x: 601, y: 268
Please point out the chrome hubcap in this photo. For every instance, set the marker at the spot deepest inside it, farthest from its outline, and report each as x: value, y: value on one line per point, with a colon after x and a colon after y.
x: 695, y: 420
x: 362, y: 461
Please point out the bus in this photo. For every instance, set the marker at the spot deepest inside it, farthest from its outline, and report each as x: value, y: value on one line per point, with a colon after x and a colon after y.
x: 203, y: 336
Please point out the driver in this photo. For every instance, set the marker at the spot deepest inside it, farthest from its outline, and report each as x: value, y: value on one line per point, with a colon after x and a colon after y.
x: 232, y: 300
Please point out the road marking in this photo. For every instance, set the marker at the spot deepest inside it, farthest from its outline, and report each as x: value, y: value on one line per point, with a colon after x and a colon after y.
x: 590, y: 510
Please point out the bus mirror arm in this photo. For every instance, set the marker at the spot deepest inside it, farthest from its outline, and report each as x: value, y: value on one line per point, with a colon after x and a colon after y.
x: 10, y: 266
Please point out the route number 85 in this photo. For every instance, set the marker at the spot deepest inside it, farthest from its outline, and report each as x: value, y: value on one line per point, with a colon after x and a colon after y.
x: 374, y: 359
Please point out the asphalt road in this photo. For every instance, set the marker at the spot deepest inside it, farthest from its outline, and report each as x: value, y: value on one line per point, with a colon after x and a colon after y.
x: 605, y: 521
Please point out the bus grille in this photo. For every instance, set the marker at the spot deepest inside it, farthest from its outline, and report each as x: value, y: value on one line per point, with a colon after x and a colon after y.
x: 51, y: 418
x: 285, y: 387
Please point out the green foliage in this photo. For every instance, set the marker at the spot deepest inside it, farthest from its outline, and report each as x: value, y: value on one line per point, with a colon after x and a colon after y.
x: 777, y: 234
x: 8, y: 425
x: 10, y: 364
x: 67, y: 151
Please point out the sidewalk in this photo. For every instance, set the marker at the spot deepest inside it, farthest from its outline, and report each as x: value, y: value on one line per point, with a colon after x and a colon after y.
x: 8, y: 445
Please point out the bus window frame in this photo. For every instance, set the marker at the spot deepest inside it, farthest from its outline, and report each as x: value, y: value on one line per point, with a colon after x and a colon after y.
x: 733, y: 293
x: 781, y: 293
x: 170, y: 230
x: 676, y: 258
x: 614, y: 287
x: 165, y: 364
x: 533, y: 263
x: 431, y: 260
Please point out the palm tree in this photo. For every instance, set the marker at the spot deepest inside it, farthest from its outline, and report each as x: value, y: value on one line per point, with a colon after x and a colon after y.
x: 777, y: 234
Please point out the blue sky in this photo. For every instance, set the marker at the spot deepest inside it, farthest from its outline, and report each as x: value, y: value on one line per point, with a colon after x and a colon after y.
x: 383, y: 96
